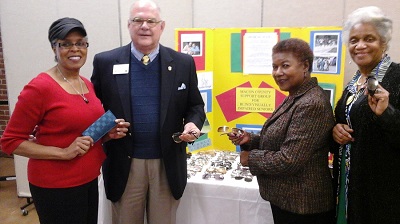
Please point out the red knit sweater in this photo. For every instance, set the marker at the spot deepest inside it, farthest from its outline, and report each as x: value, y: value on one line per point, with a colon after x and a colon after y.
x: 61, y: 117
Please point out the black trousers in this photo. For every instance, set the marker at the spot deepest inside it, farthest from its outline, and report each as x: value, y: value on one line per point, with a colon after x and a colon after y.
x: 286, y: 217
x: 78, y: 205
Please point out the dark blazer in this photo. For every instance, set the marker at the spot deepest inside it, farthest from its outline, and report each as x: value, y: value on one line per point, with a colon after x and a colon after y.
x: 178, y: 107
x: 374, y: 180
x: 290, y: 157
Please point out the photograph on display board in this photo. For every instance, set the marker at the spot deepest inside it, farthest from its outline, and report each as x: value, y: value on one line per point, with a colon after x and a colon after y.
x: 329, y: 89
x: 206, y: 95
x: 327, y: 51
x: 250, y: 128
x: 191, y: 44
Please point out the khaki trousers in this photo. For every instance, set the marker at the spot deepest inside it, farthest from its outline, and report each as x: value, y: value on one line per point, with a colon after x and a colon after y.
x: 147, y: 193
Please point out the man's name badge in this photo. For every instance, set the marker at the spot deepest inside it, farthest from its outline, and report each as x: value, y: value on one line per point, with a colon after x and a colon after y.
x: 120, y: 69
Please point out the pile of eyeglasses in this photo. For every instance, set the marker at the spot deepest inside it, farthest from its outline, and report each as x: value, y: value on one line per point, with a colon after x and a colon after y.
x: 242, y: 172
x: 219, y: 165
x: 197, y: 161
x: 220, y: 161
x: 215, y: 164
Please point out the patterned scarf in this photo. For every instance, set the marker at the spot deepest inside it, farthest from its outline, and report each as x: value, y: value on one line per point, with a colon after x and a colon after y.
x: 379, y: 72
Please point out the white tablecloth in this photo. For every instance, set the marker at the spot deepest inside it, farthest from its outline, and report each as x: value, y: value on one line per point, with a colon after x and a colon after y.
x: 211, y: 202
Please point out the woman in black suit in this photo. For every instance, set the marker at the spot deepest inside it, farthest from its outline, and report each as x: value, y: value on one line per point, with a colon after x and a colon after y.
x: 367, y: 133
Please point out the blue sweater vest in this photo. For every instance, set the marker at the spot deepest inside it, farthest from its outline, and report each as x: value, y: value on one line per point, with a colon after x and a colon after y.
x: 145, y: 95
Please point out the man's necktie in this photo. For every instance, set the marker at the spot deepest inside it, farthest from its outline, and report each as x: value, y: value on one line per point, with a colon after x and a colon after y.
x: 146, y: 59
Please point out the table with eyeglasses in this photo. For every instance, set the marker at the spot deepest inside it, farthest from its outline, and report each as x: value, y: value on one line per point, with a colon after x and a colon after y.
x: 230, y: 201
x: 212, y: 198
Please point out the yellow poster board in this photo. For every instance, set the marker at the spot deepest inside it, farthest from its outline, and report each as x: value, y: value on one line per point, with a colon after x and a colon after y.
x: 237, y: 98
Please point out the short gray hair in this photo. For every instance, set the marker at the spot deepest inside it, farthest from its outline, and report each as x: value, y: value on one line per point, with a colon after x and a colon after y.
x: 145, y: 2
x: 372, y: 15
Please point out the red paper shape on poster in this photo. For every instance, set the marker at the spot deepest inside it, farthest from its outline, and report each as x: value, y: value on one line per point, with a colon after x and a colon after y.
x: 193, y: 43
x: 227, y: 102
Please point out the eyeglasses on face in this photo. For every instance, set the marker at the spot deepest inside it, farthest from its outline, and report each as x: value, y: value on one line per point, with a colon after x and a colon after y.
x: 69, y: 45
x: 150, y: 22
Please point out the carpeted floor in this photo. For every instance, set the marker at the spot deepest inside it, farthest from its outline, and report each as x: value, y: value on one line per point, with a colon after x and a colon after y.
x: 10, y: 203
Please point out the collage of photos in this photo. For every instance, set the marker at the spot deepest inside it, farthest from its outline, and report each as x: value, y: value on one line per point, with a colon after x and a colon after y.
x: 326, y: 52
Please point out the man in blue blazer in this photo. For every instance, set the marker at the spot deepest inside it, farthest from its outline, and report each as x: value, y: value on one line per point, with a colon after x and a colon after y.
x: 145, y: 172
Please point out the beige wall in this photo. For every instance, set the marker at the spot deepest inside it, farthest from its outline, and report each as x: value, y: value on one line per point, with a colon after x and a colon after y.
x: 24, y: 25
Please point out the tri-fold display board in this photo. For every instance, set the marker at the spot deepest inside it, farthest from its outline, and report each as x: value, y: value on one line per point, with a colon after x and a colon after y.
x: 234, y: 71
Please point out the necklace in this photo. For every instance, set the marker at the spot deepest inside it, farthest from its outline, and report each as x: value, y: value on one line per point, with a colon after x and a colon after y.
x: 80, y: 82
x: 358, y: 81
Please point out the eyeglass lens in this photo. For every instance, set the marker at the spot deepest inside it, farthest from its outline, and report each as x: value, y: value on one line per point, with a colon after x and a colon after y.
x: 176, y: 138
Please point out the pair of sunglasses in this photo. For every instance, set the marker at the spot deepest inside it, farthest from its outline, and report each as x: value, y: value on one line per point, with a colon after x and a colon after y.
x: 176, y: 135
x: 224, y: 130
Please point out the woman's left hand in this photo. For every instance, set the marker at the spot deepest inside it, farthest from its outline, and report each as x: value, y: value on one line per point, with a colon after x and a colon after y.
x: 379, y: 101
x: 239, y: 138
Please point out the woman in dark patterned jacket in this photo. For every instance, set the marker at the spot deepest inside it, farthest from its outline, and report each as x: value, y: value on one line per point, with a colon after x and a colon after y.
x: 366, y: 163
x: 290, y: 156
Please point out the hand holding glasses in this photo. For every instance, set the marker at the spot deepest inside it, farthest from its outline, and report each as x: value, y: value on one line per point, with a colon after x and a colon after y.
x: 235, y: 134
x: 176, y: 135
x: 372, y: 85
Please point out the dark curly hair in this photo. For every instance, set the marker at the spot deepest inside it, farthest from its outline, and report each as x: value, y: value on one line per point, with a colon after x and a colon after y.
x: 299, y: 48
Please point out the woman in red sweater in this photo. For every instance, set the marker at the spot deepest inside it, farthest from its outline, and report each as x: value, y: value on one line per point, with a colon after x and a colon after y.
x: 59, y: 105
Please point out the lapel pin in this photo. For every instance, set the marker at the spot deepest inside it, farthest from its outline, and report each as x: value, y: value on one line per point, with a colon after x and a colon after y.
x: 169, y: 68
